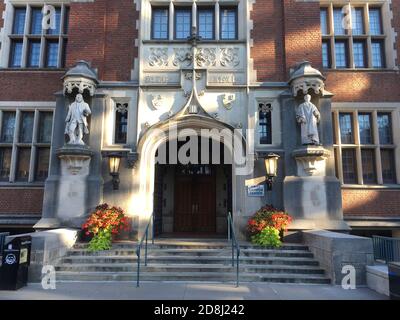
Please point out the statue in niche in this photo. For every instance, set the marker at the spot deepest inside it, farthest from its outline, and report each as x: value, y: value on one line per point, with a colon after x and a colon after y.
x: 76, y: 123
x: 307, y: 114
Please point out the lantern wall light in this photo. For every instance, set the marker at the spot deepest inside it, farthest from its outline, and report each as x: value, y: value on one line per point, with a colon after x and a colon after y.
x: 114, y: 161
x: 271, y: 169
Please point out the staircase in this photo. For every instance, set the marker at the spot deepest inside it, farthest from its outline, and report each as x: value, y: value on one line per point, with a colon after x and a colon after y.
x: 185, y: 260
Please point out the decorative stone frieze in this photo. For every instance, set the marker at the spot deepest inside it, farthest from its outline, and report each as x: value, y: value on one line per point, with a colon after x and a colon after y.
x: 158, y: 57
x: 229, y: 57
x: 206, y: 57
x: 182, y: 57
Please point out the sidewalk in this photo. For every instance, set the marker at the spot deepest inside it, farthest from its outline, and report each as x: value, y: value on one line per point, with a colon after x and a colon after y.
x: 188, y: 291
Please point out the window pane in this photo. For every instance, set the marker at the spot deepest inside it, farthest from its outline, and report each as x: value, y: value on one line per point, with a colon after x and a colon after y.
x: 42, y: 164
x: 24, y: 156
x: 338, y: 21
x: 7, y: 127
x: 349, y: 166
x: 121, y: 126
x: 341, y: 54
x: 51, y: 54
x: 385, y: 128
x: 16, y: 54
x: 26, y: 127
x: 160, y: 23
x: 264, y: 127
x: 36, y: 21
x: 346, y: 127
x: 45, y: 127
x: 364, y: 123
x: 57, y: 23
x: 19, y: 21
x: 206, y: 23
x: 34, y: 54
x: 359, y: 54
x: 358, y: 21
x: 378, y: 54
x: 368, y: 165
x: 5, y: 163
x: 324, y: 21
x: 228, y: 23
x: 375, y: 24
x: 388, y: 166
x: 183, y: 22
x: 66, y: 20
x: 326, y: 61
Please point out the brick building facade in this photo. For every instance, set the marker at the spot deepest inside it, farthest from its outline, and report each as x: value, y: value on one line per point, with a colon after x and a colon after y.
x: 272, y: 36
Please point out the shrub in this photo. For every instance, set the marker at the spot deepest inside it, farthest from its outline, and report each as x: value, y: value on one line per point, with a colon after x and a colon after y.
x: 268, y: 237
x: 102, y: 223
x: 268, y: 216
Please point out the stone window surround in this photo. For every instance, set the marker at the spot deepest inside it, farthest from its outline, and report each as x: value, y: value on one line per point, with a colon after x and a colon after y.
x: 146, y: 8
x: 389, y: 35
x: 19, y: 107
x: 6, y: 31
x: 275, y: 124
x: 374, y: 108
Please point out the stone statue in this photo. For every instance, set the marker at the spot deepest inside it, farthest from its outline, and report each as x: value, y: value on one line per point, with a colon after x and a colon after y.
x: 308, y: 116
x: 76, y: 124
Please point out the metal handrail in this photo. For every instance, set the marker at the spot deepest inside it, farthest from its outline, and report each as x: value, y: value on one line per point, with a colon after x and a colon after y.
x: 3, y: 236
x: 386, y: 249
x: 144, y: 239
x: 232, y: 238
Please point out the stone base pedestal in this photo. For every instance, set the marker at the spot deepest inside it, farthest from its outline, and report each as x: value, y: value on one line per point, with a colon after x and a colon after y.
x: 75, y: 165
x: 311, y: 197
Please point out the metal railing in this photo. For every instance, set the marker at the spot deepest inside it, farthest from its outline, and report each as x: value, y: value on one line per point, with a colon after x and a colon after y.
x: 3, y: 236
x: 144, y: 240
x: 386, y: 249
x: 235, y: 245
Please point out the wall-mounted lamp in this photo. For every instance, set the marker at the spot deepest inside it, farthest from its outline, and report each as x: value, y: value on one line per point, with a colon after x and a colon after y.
x: 114, y: 161
x: 271, y: 169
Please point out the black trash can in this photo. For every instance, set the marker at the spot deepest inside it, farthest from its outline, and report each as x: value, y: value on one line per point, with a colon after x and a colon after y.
x: 394, y: 280
x: 15, y: 263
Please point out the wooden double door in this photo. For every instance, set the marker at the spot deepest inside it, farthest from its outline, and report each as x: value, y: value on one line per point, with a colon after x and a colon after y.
x: 195, y: 200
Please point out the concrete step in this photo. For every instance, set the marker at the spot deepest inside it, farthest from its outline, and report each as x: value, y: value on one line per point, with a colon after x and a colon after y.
x: 191, y: 276
x: 190, y: 259
x: 173, y: 268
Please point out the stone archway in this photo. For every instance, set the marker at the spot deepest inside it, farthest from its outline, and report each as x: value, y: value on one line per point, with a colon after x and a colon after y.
x: 159, y: 134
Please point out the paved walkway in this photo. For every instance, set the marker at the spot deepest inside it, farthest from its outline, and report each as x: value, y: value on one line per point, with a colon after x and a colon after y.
x: 188, y: 291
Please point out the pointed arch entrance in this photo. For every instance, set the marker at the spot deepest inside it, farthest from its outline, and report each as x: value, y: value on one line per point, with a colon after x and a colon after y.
x: 152, y: 200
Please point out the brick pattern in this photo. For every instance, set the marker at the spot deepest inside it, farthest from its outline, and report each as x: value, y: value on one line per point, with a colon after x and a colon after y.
x: 371, y: 202
x: 29, y: 85
x: 21, y: 201
x: 103, y: 33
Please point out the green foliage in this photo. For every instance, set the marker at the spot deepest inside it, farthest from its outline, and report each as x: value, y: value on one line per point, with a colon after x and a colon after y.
x: 268, y: 237
x: 101, y: 241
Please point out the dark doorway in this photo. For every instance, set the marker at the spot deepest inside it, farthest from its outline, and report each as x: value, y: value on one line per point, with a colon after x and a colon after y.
x: 195, y: 199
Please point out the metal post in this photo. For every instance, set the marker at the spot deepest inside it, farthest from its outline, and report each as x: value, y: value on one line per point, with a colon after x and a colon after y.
x: 145, y: 248
x: 237, y: 269
x: 138, y: 268
x: 233, y: 255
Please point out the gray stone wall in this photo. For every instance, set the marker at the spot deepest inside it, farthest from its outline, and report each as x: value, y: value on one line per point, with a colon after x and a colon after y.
x: 334, y: 250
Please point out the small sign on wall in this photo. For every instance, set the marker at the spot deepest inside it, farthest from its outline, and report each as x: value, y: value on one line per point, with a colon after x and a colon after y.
x: 256, y: 191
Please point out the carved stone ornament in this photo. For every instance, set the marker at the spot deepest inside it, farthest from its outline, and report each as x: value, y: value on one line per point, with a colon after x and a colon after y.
x: 182, y: 57
x: 132, y: 159
x: 265, y: 107
x: 121, y: 107
x: 229, y: 57
x: 75, y: 160
x: 189, y: 75
x: 81, y: 77
x: 206, y: 57
x: 158, y: 57
x: 304, y: 78
x: 157, y: 101
x: 228, y: 100
x: 311, y: 160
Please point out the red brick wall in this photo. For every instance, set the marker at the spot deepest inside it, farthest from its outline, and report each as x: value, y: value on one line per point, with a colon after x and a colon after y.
x: 19, y: 201
x: 103, y: 33
x: 371, y: 202
x: 267, y: 34
x: 29, y: 85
